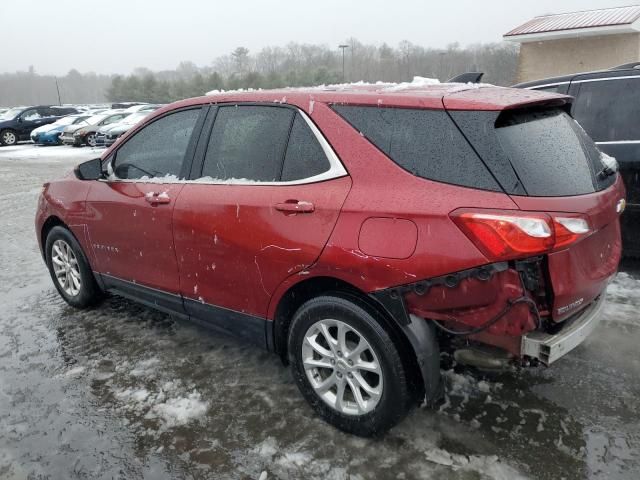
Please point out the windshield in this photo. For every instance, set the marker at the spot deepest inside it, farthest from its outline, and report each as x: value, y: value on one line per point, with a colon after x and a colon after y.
x: 12, y: 113
x: 68, y: 120
x: 134, y: 118
x: 95, y: 119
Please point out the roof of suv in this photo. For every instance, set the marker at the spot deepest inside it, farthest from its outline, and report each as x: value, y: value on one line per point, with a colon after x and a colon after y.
x: 416, y: 94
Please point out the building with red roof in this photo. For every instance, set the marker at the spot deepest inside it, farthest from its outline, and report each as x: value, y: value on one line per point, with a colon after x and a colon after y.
x: 558, y: 44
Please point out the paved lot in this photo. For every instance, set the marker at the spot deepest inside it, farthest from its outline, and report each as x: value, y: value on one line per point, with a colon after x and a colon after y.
x: 121, y: 391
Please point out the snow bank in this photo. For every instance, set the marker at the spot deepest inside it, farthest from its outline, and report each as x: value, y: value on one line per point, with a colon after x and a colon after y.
x: 49, y: 154
x: 171, y: 405
x: 180, y: 411
x: 489, y: 465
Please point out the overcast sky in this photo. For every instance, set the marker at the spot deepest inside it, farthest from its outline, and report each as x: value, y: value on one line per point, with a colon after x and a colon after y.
x: 115, y: 36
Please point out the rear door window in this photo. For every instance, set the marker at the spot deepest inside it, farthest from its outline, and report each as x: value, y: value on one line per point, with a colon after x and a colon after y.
x: 608, y: 109
x: 248, y: 143
x: 424, y: 142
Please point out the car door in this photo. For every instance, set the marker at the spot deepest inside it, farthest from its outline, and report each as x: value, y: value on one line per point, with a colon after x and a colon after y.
x: 607, y: 107
x: 262, y: 205
x: 129, y: 214
x: 29, y: 120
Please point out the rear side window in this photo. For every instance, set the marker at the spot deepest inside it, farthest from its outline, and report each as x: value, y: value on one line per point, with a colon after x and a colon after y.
x: 305, y: 157
x: 158, y: 149
x: 608, y: 109
x: 424, y: 142
x: 248, y: 142
x: 550, y: 152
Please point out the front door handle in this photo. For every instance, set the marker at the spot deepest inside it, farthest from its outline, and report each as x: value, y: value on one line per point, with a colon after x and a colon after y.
x: 295, y: 206
x: 155, y: 198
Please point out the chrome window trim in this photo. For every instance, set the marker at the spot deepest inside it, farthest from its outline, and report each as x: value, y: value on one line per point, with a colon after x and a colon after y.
x: 623, y: 77
x: 336, y: 168
x: 546, y: 85
x: 618, y: 142
x: 586, y: 80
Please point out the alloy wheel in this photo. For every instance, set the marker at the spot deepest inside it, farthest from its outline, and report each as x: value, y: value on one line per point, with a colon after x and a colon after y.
x: 9, y: 138
x: 65, y: 268
x: 342, y: 367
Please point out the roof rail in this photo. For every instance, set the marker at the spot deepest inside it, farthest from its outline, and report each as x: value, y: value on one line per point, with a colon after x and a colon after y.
x: 468, y: 77
x: 626, y: 66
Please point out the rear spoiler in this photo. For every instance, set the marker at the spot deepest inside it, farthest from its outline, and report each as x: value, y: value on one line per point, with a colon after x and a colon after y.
x: 467, y: 77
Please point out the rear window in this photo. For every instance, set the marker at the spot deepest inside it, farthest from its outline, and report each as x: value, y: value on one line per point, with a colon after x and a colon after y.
x: 424, y: 142
x: 548, y: 151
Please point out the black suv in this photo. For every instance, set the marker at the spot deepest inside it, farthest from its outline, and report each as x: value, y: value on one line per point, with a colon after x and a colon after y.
x: 607, y: 105
x: 17, y: 123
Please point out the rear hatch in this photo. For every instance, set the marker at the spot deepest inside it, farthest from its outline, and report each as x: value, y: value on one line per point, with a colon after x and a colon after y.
x: 548, y: 165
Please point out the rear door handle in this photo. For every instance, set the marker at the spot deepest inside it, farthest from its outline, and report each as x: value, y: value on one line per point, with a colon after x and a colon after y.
x: 155, y: 198
x: 295, y: 206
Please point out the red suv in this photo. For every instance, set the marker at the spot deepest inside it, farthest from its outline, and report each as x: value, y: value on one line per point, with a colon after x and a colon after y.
x: 353, y: 231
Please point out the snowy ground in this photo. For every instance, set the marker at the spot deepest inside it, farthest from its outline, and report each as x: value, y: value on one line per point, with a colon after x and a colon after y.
x: 124, y: 392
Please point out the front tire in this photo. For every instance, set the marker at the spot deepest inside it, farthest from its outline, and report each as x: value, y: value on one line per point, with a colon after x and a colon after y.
x: 347, y: 366
x: 70, y: 270
x: 8, y: 137
x: 90, y: 140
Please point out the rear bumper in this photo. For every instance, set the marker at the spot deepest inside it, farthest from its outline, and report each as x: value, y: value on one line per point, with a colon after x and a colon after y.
x: 548, y: 348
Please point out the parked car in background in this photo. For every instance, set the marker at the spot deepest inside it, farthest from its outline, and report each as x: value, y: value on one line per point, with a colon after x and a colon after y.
x: 3, y: 110
x: 107, y: 135
x: 50, y: 134
x: 607, y: 105
x: 84, y: 133
x: 143, y: 108
x: 119, y: 105
x: 343, y: 229
x: 18, y: 123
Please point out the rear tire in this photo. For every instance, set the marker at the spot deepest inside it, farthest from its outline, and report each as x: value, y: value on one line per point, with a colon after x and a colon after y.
x: 70, y: 270
x: 347, y: 366
x: 8, y: 137
x: 90, y: 140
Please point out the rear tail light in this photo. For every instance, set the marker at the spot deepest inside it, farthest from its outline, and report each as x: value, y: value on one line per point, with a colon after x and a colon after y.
x: 569, y: 229
x: 503, y: 235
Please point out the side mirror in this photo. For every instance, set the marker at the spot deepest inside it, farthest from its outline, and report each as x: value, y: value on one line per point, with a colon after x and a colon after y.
x: 90, y: 170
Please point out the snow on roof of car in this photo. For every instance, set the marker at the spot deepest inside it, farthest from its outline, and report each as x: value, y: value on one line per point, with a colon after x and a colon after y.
x: 420, y: 92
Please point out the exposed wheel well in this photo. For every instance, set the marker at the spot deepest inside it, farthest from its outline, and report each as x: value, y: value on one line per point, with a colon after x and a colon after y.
x: 49, y: 223
x: 313, y: 287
